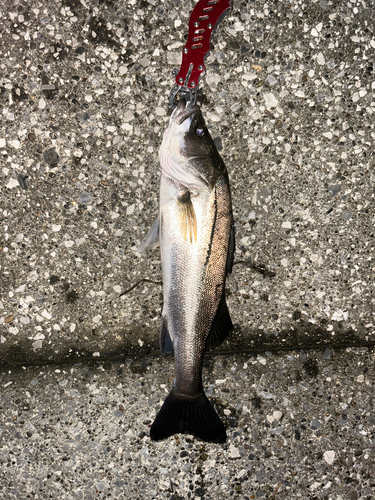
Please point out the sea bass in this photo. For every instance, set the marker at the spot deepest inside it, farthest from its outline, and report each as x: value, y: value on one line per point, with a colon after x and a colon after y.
x: 195, y: 231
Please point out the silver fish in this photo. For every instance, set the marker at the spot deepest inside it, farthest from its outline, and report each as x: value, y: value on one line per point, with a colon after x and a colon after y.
x: 196, y: 234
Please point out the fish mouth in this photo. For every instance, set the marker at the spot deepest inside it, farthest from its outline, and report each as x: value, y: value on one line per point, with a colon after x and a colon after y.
x: 183, y: 112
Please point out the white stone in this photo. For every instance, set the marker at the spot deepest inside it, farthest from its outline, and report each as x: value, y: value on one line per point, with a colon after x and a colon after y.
x: 286, y: 224
x: 320, y: 59
x: 97, y: 318
x: 38, y: 344
x: 12, y: 184
x: 128, y: 116
x: 220, y: 381
x: 15, y: 143
x: 56, y: 227
x: 270, y: 99
x: 117, y: 288
x: 2, y: 143
x: 46, y: 314
x: 314, y: 486
x: 212, y: 117
x: 338, y: 315
x: 130, y: 209
x: 234, y: 453
x: 122, y: 70
x: 212, y: 80
x: 41, y: 105
x: 69, y: 243
x: 249, y: 75
x: 174, y: 58
x: 277, y: 415
x: 160, y: 112
x: 284, y: 262
x: 329, y: 456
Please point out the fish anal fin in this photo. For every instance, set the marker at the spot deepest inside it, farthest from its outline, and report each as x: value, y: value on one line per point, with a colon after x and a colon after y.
x: 151, y: 240
x: 188, y: 415
x: 188, y: 218
x: 222, y: 326
x: 166, y: 343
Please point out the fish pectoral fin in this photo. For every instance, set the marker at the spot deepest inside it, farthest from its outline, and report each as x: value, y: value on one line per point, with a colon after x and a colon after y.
x: 188, y: 415
x: 166, y: 343
x: 188, y: 219
x: 222, y: 326
x: 151, y: 240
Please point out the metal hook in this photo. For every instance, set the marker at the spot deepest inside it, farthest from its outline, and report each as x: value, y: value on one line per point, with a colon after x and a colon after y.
x: 189, y: 94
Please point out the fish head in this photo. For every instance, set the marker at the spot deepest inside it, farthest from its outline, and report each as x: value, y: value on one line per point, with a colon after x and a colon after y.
x: 187, y: 145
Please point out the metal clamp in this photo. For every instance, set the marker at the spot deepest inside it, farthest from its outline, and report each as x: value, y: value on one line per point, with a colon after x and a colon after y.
x: 205, y: 17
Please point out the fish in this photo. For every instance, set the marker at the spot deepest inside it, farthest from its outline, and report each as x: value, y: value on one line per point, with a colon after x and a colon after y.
x: 195, y: 231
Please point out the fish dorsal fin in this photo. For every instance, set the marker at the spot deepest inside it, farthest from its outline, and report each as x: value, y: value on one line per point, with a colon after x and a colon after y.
x: 151, y: 240
x: 188, y: 218
x: 231, y: 249
x: 166, y: 344
x: 222, y: 326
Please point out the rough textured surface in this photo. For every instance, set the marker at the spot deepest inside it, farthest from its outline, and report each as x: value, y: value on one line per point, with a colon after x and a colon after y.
x: 83, y: 96
x: 298, y: 427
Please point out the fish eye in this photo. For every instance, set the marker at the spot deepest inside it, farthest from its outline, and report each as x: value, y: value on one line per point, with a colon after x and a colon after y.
x: 200, y: 131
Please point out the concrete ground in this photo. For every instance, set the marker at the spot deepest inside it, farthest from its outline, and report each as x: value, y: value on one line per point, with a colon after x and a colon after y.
x: 289, y: 99
x: 300, y: 425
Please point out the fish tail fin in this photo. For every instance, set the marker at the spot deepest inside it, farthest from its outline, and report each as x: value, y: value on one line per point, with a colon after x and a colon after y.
x: 181, y: 414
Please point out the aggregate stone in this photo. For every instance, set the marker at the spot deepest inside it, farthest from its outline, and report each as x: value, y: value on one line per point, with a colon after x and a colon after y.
x: 50, y: 156
x: 327, y: 354
x: 289, y: 99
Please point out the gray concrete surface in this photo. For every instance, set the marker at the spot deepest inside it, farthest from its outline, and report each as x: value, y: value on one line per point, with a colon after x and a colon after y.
x: 289, y: 97
x: 300, y: 426
x: 83, y: 98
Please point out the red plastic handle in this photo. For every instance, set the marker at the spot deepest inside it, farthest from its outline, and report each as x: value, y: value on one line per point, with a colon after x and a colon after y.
x: 203, y: 21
